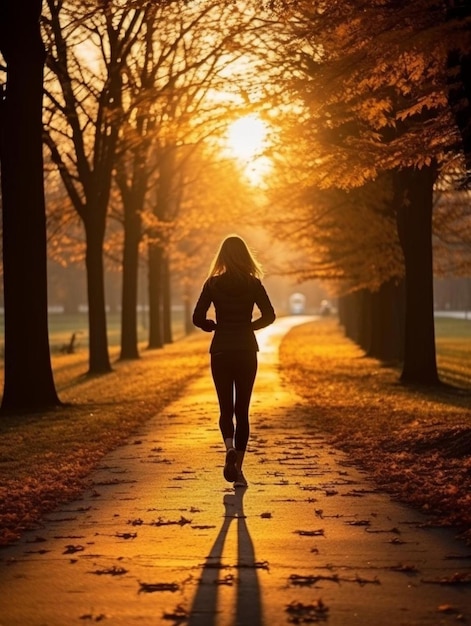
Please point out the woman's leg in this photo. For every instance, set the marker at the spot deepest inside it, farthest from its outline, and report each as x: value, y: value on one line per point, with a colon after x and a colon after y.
x: 245, y: 370
x: 221, y: 370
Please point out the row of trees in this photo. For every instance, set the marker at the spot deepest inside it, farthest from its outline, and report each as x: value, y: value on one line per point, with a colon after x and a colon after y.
x: 369, y: 102
x: 132, y: 120
x: 128, y: 115
x: 384, y: 120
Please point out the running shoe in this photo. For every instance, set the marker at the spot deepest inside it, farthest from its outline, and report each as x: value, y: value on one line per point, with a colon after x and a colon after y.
x: 240, y: 481
x: 230, y: 469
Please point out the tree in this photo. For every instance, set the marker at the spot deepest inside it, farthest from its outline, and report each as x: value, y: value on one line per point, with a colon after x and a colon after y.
x: 88, y: 49
x: 180, y: 92
x: 375, y: 83
x: 458, y: 13
x: 133, y: 178
x: 348, y: 239
x: 414, y: 201
x: 215, y: 200
x: 28, y: 384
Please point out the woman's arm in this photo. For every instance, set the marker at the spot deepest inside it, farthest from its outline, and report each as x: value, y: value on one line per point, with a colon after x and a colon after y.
x: 199, y: 314
x: 266, y: 309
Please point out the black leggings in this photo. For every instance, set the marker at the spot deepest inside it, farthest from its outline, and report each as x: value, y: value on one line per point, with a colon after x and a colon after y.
x: 234, y: 373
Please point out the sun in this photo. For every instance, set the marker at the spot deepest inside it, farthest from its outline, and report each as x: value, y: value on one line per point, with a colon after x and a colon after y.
x: 246, y: 140
x: 246, y: 136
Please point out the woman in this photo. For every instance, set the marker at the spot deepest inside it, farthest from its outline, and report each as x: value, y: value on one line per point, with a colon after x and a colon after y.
x: 233, y: 287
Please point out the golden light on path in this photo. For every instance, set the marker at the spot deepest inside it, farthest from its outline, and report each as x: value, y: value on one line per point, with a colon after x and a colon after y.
x: 246, y: 141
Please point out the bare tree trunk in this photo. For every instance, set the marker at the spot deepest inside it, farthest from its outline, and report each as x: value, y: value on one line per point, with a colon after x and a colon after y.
x: 387, y: 322
x: 132, y: 178
x: 375, y: 320
x: 28, y: 383
x: 132, y: 235
x: 155, y: 296
x: 414, y: 193
x: 365, y: 319
x: 350, y: 313
x: 187, y: 312
x: 99, y: 361
x: 166, y: 301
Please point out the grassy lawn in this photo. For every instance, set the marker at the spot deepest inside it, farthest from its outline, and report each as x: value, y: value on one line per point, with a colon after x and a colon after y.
x: 62, y: 325
x: 415, y: 444
x: 453, y: 342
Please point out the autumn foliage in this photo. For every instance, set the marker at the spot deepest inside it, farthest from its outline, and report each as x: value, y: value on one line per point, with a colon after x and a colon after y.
x: 414, y: 445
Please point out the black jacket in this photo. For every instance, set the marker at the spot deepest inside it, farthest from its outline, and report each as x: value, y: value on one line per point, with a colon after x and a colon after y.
x: 233, y: 300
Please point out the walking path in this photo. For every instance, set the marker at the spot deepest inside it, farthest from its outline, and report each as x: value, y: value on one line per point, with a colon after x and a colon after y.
x: 161, y: 538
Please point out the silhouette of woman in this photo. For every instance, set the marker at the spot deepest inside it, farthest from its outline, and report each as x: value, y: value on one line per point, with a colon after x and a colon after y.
x: 234, y: 287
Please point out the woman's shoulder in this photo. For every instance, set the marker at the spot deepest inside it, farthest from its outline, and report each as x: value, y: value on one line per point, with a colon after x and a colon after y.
x: 230, y: 283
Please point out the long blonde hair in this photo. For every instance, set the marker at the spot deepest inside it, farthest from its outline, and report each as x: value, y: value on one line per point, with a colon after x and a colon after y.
x: 235, y: 258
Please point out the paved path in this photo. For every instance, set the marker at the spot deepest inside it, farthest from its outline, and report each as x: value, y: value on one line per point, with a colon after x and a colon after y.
x: 162, y: 539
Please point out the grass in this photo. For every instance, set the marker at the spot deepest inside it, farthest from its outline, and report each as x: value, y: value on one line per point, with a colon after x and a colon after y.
x: 453, y: 344
x: 415, y: 443
x: 62, y: 325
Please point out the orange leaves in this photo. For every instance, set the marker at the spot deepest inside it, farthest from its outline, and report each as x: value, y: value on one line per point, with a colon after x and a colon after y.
x: 428, y: 102
x: 414, y: 445
x: 376, y: 112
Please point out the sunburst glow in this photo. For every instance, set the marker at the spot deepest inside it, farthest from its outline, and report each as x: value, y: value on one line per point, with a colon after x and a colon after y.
x: 246, y: 136
x: 246, y: 140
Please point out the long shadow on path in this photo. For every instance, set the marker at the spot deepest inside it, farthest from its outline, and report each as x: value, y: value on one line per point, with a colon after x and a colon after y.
x: 248, y: 609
